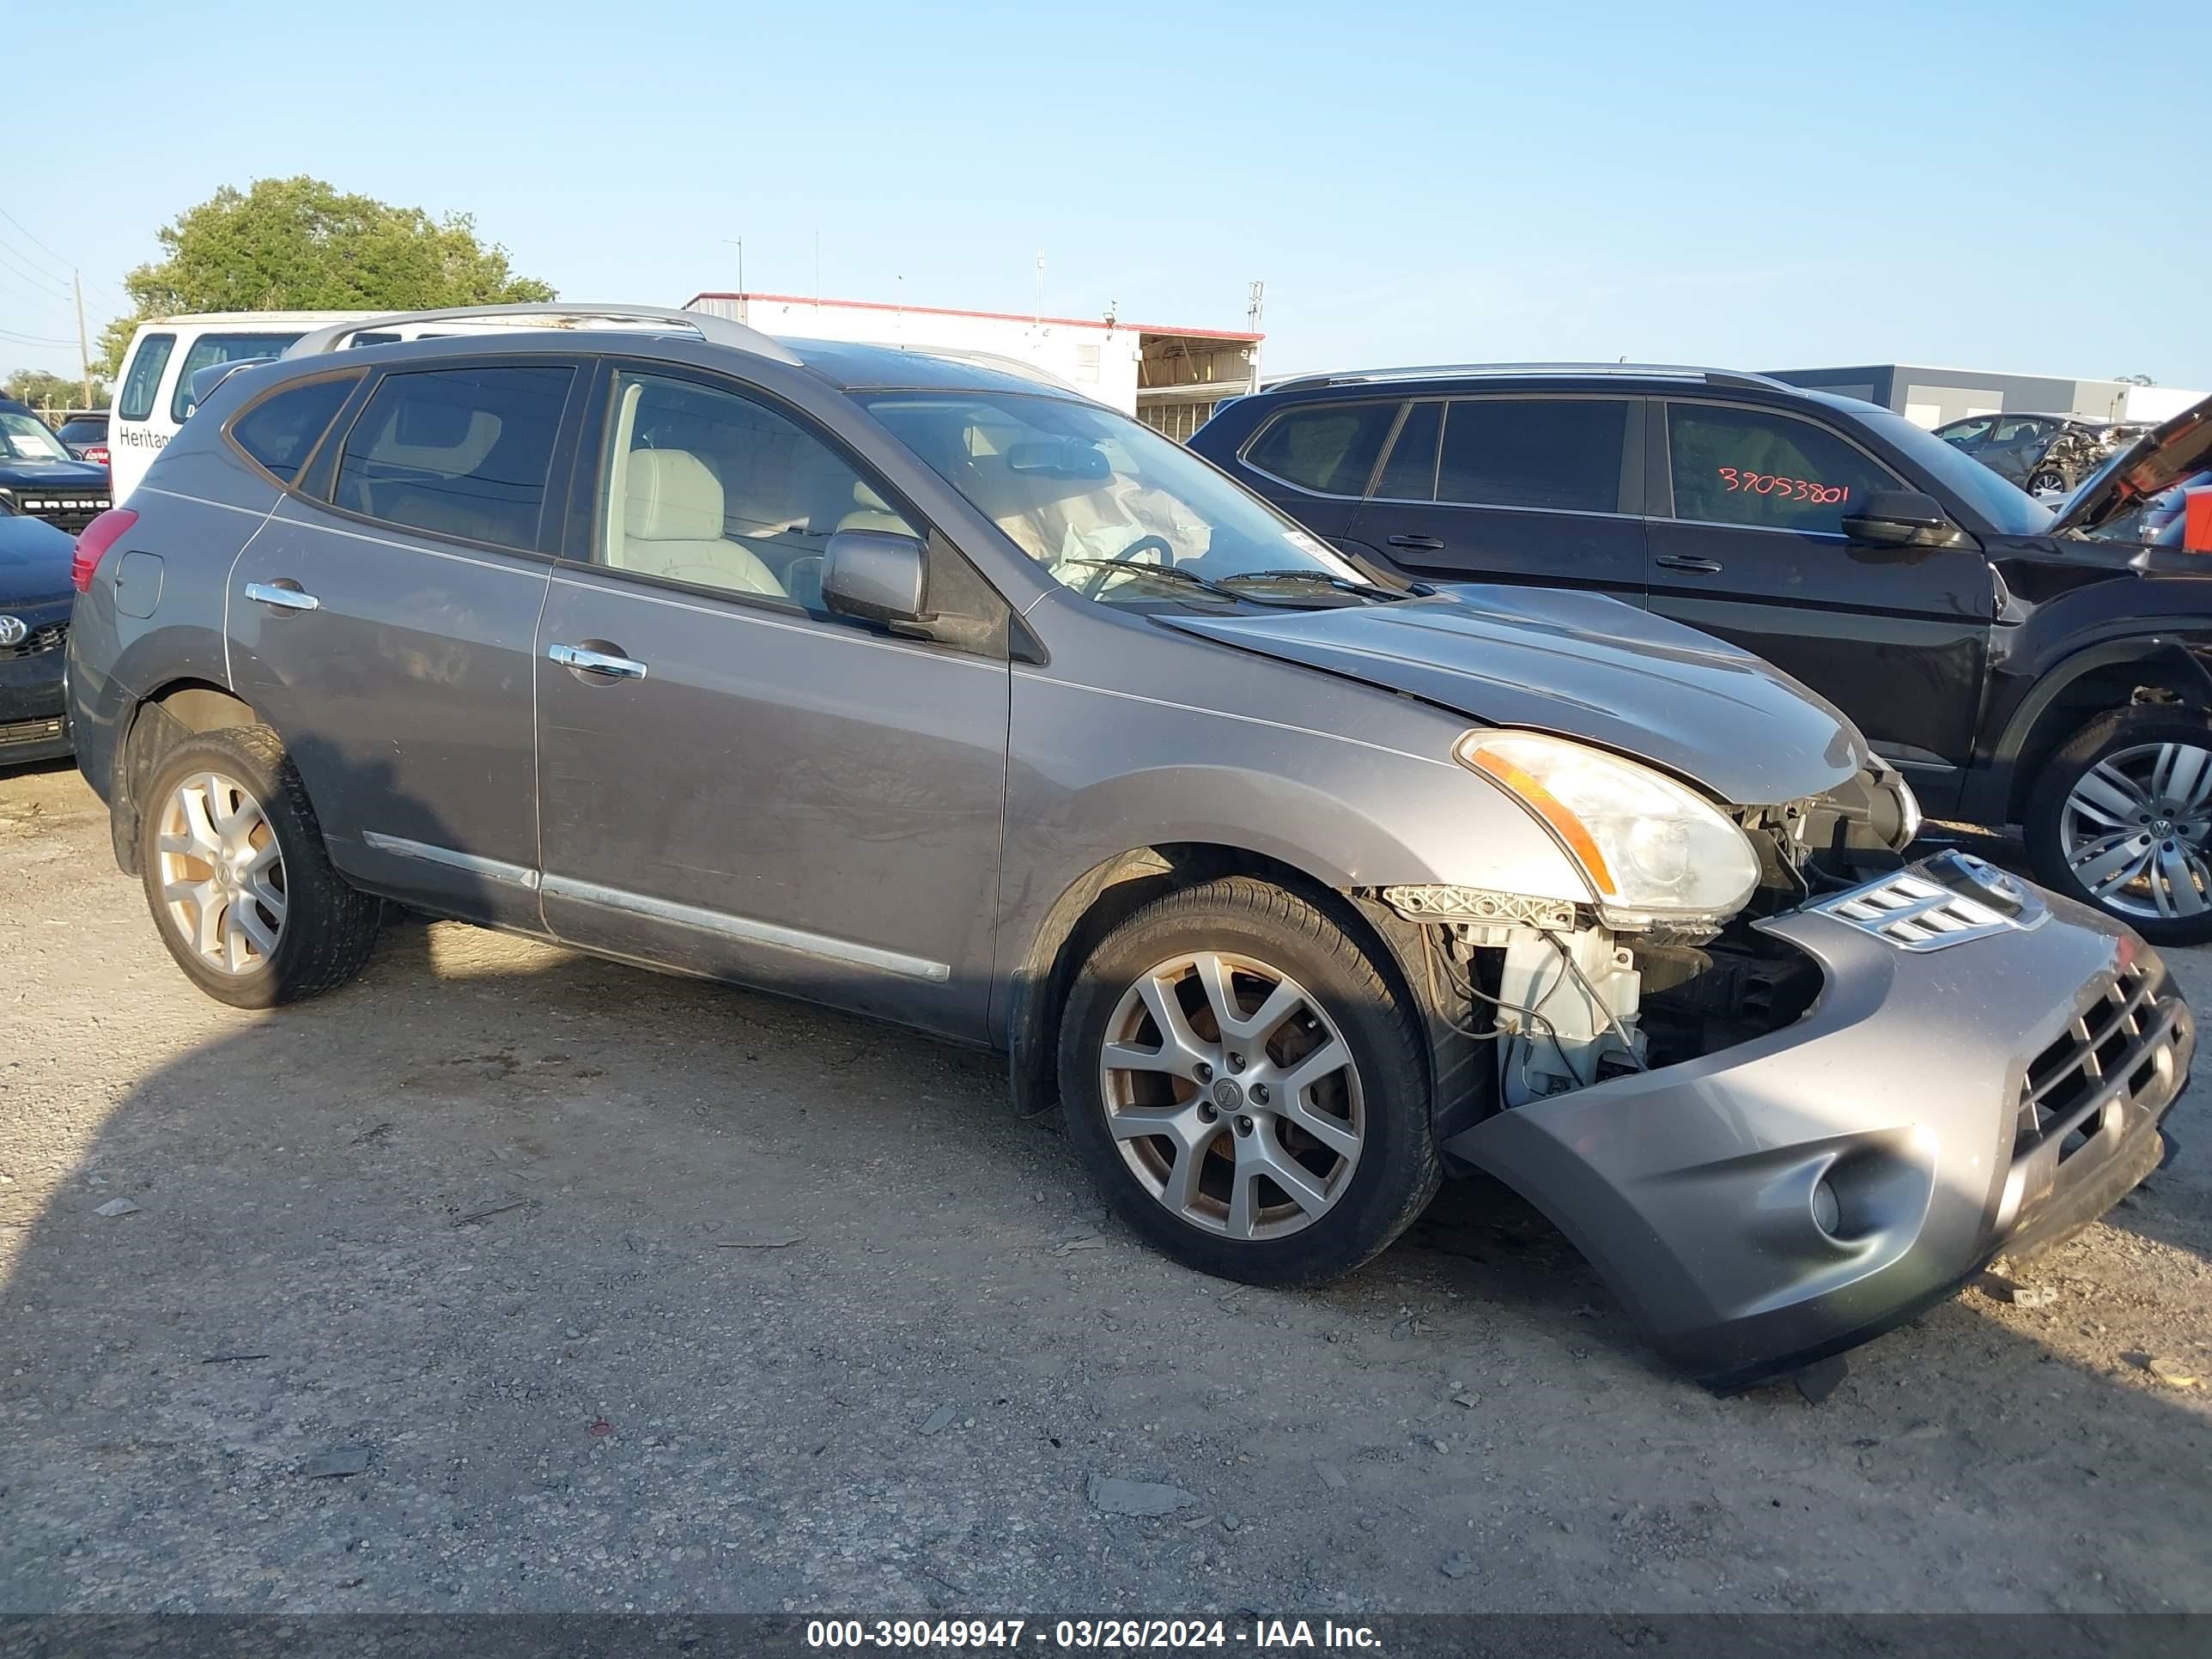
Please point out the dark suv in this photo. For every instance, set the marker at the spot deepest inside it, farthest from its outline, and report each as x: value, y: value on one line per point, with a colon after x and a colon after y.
x: 2020, y: 668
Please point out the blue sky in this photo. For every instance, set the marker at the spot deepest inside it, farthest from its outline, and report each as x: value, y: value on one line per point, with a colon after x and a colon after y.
x: 2011, y: 187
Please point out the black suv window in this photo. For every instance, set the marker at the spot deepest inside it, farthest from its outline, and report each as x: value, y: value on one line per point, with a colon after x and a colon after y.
x: 1755, y: 466
x: 212, y: 349
x: 456, y: 452
x: 145, y: 379
x: 1562, y: 453
x: 280, y: 429
x: 1410, y: 474
x: 1328, y: 447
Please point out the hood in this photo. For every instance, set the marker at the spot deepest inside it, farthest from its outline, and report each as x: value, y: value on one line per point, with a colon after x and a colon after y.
x: 2158, y: 460
x: 34, y: 561
x: 1576, y: 666
x: 54, y: 475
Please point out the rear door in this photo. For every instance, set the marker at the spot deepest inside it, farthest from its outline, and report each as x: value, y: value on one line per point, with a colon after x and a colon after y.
x: 1541, y: 489
x: 1747, y: 542
x: 383, y: 618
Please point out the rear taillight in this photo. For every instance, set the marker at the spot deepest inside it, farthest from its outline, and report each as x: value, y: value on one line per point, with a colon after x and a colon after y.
x: 96, y: 453
x: 93, y: 541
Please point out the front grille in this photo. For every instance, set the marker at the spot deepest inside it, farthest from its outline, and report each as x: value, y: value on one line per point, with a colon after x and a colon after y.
x: 64, y: 509
x: 41, y: 641
x: 1914, y: 913
x: 2115, y: 1053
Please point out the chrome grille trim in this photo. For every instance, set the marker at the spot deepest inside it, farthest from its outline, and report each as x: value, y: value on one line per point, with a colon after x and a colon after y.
x: 1908, y: 909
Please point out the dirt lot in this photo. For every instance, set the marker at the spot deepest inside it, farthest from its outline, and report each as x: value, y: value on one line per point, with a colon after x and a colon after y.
x: 626, y: 1291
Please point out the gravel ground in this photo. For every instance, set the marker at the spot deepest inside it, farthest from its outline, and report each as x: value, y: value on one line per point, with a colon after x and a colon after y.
x: 626, y: 1291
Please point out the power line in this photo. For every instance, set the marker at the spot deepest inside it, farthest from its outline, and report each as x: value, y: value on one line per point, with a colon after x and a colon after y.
x: 32, y: 339
x: 35, y: 278
x: 72, y: 264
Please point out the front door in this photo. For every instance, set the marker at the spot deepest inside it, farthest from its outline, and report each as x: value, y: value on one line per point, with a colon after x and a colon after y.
x: 1747, y: 542
x: 1514, y: 487
x: 383, y: 621
x: 736, y: 782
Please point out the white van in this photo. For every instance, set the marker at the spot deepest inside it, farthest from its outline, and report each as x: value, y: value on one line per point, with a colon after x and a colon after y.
x: 155, y: 395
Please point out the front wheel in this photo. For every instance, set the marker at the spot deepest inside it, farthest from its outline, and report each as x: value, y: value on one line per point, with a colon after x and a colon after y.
x: 2121, y: 817
x: 2048, y: 481
x: 1246, y: 1088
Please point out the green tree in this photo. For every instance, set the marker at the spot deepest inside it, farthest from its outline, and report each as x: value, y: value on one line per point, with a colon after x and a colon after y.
x: 41, y: 390
x: 298, y: 244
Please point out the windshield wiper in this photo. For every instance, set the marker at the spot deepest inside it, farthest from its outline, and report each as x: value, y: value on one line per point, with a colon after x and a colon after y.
x: 1165, y: 572
x: 1318, y: 579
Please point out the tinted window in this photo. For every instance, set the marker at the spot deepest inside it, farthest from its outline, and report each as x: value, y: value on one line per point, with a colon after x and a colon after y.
x: 706, y: 487
x: 1329, y: 447
x: 1410, y: 474
x: 2014, y: 429
x: 83, y: 430
x: 1561, y: 452
x: 279, y: 432
x: 1966, y: 434
x: 456, y: 452
x: 1752, y: 467
x: 212, y: 349
x: 144, y: 377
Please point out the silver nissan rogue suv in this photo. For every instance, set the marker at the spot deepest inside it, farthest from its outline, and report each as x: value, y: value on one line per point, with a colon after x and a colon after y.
x: 917, y: 686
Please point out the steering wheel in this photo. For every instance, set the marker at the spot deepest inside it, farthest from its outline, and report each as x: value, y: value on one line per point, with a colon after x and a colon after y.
x: 1097, y: 579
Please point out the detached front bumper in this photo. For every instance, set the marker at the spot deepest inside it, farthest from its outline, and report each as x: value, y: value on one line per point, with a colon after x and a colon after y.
x: 1767, y: 1204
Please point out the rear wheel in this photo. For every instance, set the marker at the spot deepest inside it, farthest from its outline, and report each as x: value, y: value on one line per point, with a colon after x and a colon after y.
x: 2048, y: 481
x: 2121, y: 818
x: 242, y: 888
x: 1245, y: 1086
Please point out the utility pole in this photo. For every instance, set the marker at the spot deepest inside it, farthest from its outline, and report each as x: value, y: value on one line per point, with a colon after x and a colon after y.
x: 739, y: 242
x: 1254, y: 305
x: 1036, y: 313
x: 83, y: 351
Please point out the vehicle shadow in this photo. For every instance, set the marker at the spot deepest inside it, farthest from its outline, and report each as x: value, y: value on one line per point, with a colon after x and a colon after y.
x: 619, y: 1290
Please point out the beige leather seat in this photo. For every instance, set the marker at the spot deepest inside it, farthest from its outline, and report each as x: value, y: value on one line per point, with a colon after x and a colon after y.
x: 673, y: 526
x: 871, y: 511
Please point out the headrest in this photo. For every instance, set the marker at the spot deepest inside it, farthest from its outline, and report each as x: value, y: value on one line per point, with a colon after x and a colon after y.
x: 672, y: 497
x: 865, y: 497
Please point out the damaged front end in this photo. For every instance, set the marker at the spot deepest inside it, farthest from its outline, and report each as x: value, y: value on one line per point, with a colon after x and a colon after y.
x: 1781, y: 1130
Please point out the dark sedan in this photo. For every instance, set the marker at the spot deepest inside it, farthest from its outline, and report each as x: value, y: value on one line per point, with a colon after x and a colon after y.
x: 35, y: 594
x: 2044, y: 454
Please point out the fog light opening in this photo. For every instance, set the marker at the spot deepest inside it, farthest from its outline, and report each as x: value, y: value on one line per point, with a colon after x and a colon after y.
x: 1828, y: 1212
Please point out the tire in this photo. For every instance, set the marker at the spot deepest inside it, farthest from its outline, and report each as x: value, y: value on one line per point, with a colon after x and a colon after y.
x: 1367, y: 1163
x: 2048, y: 480
x: 2095, y: 816
x: 251, y: 928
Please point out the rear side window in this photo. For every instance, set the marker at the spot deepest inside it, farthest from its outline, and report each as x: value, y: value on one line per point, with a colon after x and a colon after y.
x: 1328, y: 447
x: 280, y: 431
x: 1755, y: 466
x: 212, y: 349
x: 456, y: 451
x: 1559, y: 452
x: 143, y: 379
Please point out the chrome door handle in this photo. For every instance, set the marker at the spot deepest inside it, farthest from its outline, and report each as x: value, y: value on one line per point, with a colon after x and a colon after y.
x: 1685, y: 561
x: 284, y: 599
x: 595, y: 662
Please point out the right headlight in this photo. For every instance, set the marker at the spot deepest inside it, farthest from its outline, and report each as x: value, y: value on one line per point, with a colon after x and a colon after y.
x: 1652, y: 850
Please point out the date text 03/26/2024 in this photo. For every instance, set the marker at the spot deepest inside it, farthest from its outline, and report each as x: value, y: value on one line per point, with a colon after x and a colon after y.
x: 1106, y: 1635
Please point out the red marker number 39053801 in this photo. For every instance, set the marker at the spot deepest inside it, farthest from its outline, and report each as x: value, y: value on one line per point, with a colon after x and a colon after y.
x: 1795, y: 490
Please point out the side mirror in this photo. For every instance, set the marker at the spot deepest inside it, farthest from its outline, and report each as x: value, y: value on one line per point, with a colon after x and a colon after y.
x: 1901, y: 518
x: 876, y: 576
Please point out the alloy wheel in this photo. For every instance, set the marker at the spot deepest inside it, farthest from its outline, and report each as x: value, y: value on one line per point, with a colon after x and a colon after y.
x: 221, y: 873
x: 2047, y: 483
x: 1232, y: 1096
x: 2134, y: 829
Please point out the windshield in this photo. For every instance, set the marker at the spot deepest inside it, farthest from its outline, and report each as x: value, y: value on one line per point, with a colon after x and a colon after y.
x: 1107, y: 505
x: 2007, y: 508
x: 25, y: 438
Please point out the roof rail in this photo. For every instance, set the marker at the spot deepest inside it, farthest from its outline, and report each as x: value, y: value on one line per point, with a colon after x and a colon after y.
x: 715, y: 331
x: 1441, y: 371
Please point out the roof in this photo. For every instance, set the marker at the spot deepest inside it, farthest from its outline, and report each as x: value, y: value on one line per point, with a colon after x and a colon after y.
x: 992, y: 316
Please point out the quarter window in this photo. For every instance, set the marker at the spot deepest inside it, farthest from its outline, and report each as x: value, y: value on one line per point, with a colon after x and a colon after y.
x: 280, y: 431
x: 458, y: 451
x: 212, y: 349
x: 1327, y: 448
x: 1559, y: 452
x: 1752, y: 466
x: 145, y: 379
x: 706, y: 487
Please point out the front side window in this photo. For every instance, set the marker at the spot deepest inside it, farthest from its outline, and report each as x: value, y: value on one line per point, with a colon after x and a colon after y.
x: 212, y: 349
x: 1329, y: 448
x: 1965, y: 434
x: 25, y: 437
x: 1559, y: 452
x: 703, y: 486
x: 2017, y: 430
x: 280, y: 430
x: 143, y: 379
x: 1754, y: 466
x: 464, y: 453
x: 1108, y: 505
